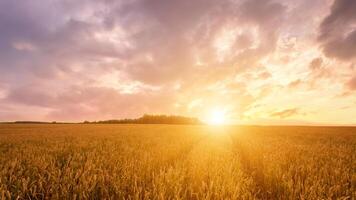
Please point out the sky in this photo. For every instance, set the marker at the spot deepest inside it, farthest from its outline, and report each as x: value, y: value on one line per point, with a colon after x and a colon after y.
x: 257, y: 61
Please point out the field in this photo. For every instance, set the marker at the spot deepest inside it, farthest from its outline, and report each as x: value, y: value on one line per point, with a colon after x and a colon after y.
x: 176, y: 162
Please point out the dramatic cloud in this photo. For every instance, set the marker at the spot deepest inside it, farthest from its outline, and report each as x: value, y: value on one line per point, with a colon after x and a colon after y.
x: 338, y: 30
x: 86, y: 59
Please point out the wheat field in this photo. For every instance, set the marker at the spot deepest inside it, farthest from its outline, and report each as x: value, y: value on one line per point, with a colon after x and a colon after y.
x: 81, y: 161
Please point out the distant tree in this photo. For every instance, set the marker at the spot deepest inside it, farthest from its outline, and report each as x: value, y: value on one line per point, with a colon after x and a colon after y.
x: 153, y: 119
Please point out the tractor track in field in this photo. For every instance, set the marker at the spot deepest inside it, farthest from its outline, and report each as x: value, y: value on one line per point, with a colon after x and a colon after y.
x: 180, y: 156
x: 254, y: 168
x: 206, y: 149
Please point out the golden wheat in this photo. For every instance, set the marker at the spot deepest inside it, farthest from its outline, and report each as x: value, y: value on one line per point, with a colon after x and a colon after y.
x: 176, y: 162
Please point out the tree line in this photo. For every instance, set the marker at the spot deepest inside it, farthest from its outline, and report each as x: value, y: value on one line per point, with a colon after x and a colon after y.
x: 151, y: 119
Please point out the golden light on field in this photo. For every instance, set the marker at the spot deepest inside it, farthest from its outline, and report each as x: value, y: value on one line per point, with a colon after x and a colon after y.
x: 217, y: 117
x: 178, y: 99
x: 185, y: 163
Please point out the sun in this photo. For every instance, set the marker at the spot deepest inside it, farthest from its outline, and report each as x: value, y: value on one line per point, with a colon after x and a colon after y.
x: 217, y: 117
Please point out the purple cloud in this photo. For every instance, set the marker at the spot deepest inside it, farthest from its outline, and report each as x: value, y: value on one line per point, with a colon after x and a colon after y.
x: 86, y: 59
x: 337, y: 31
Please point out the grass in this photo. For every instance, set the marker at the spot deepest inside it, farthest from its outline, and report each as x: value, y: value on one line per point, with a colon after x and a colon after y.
x: 176, y: 162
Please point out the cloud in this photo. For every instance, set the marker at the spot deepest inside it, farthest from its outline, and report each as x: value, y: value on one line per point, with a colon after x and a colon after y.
x: 285, y: 113
x: 352, y: 83
x: 158, y: 43
x: 337, y: 31
x: 80, y: 102
x: 86, y: 59
x: 316, y: 64
x: 173, y: 37
x: 267, y: 13
x: 318, y: 70
x: 264, y: 75
x: 295, y: 83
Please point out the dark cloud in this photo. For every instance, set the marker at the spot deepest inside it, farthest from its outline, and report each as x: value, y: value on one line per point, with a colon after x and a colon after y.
x: 337, y: 31
x: 316, y: 64
x: 267, y: 13
x: 317, y: 70
x: 268, y: 16
x: 53, y: 54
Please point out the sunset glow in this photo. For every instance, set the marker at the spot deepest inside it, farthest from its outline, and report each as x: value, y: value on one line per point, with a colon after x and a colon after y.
x: 270, y: 61
x: 177, y: 99
x: 217, y: 117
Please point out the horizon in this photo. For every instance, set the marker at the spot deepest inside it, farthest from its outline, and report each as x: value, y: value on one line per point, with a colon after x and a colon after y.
x: 240, y: 62
x: 202, y: 123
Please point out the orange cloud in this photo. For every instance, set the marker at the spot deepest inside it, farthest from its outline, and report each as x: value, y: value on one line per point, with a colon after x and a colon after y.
x: 285, y: 113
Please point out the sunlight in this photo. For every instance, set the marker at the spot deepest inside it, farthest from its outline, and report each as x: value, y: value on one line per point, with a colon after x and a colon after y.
x: 217, y: 117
